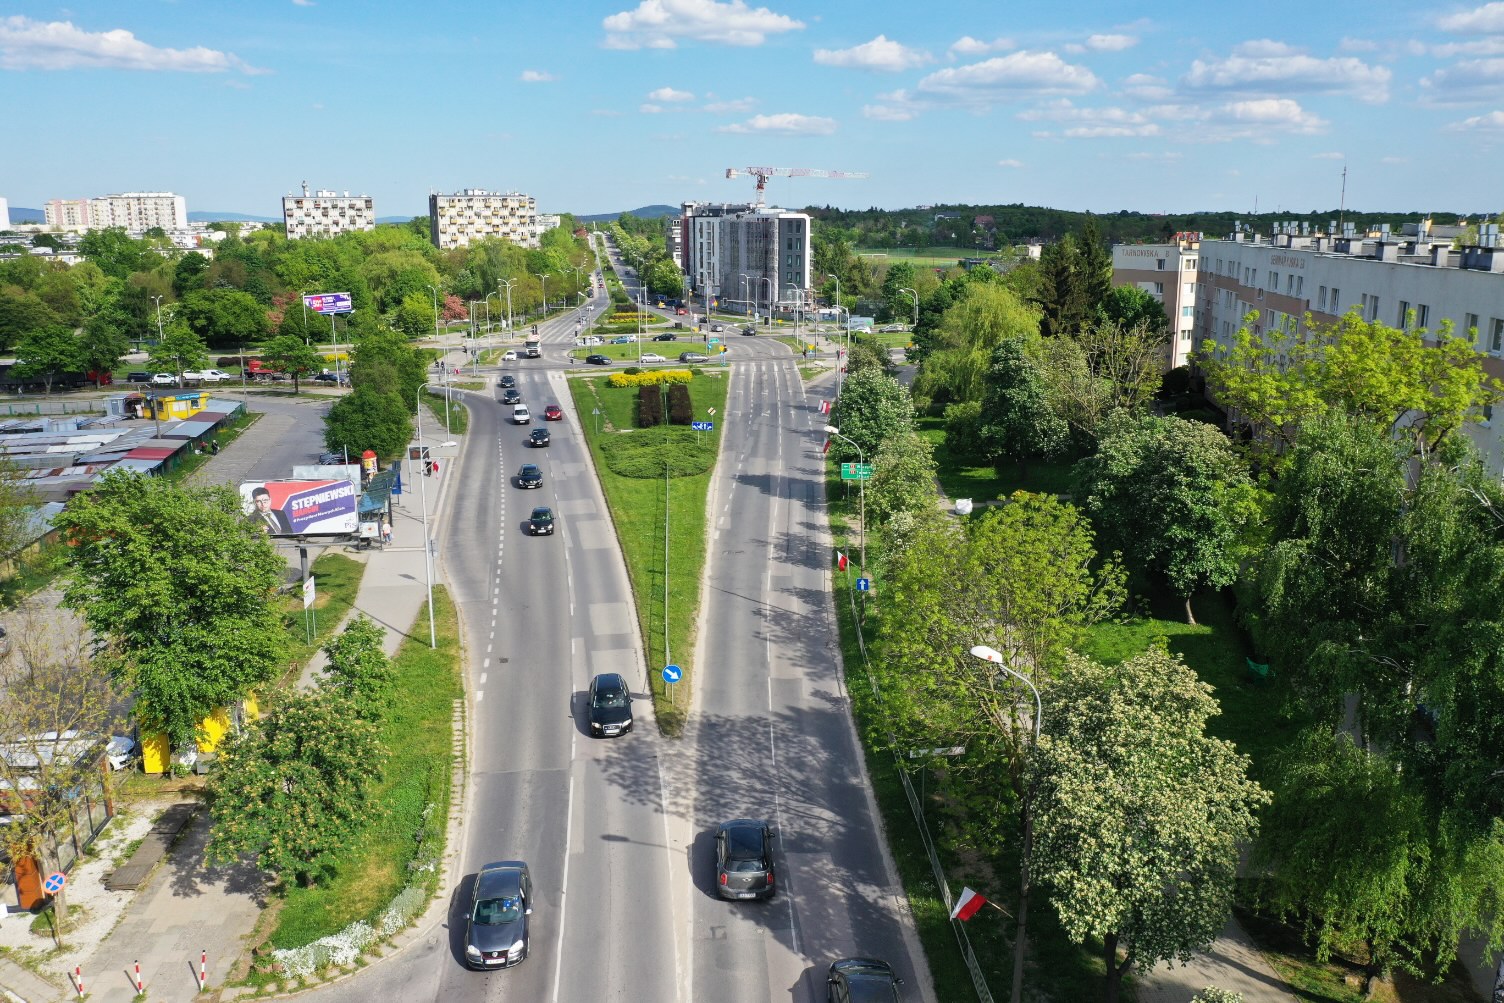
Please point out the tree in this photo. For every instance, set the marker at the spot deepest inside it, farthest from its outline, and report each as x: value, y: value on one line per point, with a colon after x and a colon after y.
x: 1018, y: 421
x: 1062, y: 294
x: 387, y: 363
x: 102, y: 344
x: 1095, y: 267
x: 1139, y: 814
x: 897, y: 304
x: 116, y: 253
x: 1130, y: 306
x: 286, y: 354
x: 359, y: 668
x: 178, y: 351
x: 1105, y: 368
x: 188, y: 274
x: 224, y: 318
x: 984, y: 315
x: 48, y: 352
x: 1174, y: 498
x: 414, y: 316
x: 664, y: 278
x: 903, y: 477
x: 367, y: 418
x: 292, y: 788
x: 22, y: 314
x: 178, y: 589
x: 872, y: 408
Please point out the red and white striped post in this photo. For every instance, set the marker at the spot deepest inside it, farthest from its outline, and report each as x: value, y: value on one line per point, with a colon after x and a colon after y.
x: 78, y: 980
x: 139, y: 987
x: 203, y: 970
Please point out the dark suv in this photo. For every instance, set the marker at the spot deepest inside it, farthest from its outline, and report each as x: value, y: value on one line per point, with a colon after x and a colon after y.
x: 529, y: 476
x: 610, y: 706
x: 861, y: 980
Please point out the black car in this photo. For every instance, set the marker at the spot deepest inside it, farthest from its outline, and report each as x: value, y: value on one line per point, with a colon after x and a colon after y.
x: 538, y: 437
x: 665, y: 337
x: 610, y: 705
x: 529, y: 476
x: 750, y: 329
x: 507, y: 381
x: 511, y: 396
x: 597, y: 360
x: 744, y: 859
x: 861, y: 980
x: 496, y: 928
x: 541, y: 521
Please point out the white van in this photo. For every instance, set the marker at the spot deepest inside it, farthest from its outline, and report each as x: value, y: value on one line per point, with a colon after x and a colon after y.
x: 520, y: 415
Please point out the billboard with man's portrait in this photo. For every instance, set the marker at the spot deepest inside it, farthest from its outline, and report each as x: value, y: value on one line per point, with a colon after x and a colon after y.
x: 296, y: 508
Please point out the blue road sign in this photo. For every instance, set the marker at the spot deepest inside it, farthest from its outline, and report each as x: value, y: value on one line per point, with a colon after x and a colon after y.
x: 55, y: 882
x: 863, y: 584
x: 672, y: 673
x: 702, y: 426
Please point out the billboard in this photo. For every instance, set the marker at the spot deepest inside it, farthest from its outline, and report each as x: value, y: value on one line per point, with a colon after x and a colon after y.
x: 328, y: 302
x: 293, y: 508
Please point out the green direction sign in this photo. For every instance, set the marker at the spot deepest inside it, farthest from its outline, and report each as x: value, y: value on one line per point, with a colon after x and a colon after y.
x: 856, y: 471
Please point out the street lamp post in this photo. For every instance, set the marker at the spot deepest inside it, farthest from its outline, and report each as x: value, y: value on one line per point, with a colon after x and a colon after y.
x: 159, y: 317
x: 916, y: 309
x: 543, y: 278
x: 433, y: 640
x: 508, y: 284
x: 861, y: 486
x: 435, y: 311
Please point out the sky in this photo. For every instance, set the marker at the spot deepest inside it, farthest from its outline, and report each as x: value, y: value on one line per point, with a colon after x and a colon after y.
x: 596, y: 107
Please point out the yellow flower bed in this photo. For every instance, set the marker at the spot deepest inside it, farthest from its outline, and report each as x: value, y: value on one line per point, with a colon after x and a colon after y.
x: 649, y: 378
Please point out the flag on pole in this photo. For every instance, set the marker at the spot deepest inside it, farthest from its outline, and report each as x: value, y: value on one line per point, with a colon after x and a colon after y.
x: 825, y: 407
x: 967, y: 905
x: 841, y: 561
x: 825, y: 448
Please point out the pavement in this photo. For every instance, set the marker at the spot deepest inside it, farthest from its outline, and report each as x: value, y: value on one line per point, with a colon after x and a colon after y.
x: 187, y: 910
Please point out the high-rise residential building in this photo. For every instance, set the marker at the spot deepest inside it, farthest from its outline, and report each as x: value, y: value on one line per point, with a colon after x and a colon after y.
x: 756, y: 256
x: 326, y: 213
x: 66, y: 214
x: 1168, y: 273
x: 139, y: 211
x: 475, y: 214
x: 4, y: 214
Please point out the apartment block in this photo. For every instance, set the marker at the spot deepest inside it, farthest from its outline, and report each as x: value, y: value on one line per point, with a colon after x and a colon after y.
x: 66, y: 214
x: 139, y: 211
x: 475, y: 214
x: 326, y: 213
x: 755, y: 256
x: 1168, y: 273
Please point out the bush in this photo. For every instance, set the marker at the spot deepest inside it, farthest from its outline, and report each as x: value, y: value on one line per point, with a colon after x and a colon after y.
x: 649, y: 377
x: 632, y: 370
x: 643, y: 453
x: 649, y: 406
x: 963, y: 431
x: 681, y: 410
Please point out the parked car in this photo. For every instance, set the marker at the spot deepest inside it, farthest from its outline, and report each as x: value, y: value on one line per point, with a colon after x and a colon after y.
x: 511, y: 396
x: 340, y: 379
x: 553, y: 413
x: 163, y: 380
x: 670, y: 336
x: 744, y: 859
x: 693, y: 357
x: 507, y: 380
x: 206, y: 376
x: 530, y: 476
x: 509, y: 356
x: 651, y: 357
x: 138, y: 377
x: 538, y: 437
x: 496, y: 934
x: 520, y: 415
x: 861, y: 980
x: 597, y: 360
x: 541, y: 522
x: 610, y: 706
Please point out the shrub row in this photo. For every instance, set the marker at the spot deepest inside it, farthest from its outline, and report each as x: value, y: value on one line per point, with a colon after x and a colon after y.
x: 649, y: 406
x: 681, y: 410
x: 650, y: 377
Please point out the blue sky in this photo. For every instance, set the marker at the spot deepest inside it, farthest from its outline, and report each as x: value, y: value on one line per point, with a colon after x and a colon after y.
x: 598, y: 107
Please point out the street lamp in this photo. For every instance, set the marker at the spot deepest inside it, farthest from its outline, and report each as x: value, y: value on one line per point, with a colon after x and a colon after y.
x: 994, y: 656
x: 435, y: 311
x: 861, y: 485
x: 543, y: 278
x: 433, y: 639
x: 916, y: 308
x: 508, y: 284
x: 159, y: 317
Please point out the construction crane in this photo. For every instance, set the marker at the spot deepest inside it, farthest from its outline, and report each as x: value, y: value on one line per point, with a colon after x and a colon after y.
x: 762, y: 174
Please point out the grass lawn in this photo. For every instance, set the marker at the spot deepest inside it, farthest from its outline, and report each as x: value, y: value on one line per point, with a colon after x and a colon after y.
x: 638, y: 507
x: 934, y: 257
x: 337, y: 579
x: 960, y: 478
x: 459, y: 415
x: 416, y: 732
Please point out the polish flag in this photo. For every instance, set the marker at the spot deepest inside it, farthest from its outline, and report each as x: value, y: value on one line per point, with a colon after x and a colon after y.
x: 825, y: 407
x: 825, y: 448
x: 841, y: 563
x: 967, y: 905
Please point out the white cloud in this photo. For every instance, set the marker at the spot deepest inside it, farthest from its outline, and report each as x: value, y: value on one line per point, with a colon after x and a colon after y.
x: 1010, y: 163
x: 735, y: 105
x: 1111, y: 43
x: 1329, y: 155
x: 59, y: 45
x: 887, y: 113
x: 1391, y: 160
x: 1357, y: 45
x: 1146, y: 87
x: 1476, y: 47
x: 656, y: 24
x: 1465, y: 82
x: 1164, y: 156
x: 303, y: 3
x: 1016, y: 74
x: 1275, y: 113
x: 1064, y: 110
x: 1110, y: 131
x: 1492, y: 122
x: 1263, y: 66
x: 882, y: 53
x: 1485, y: 20
x: 785, y: 124
x: 535, y: 77
x: 669, y: 94
x: 650, y: 109
x: 968, y: 46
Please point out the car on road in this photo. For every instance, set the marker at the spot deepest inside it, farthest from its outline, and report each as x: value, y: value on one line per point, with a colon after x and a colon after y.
x: 625, y: 339
x: 717, y: 328
x: 680, y: 311
x: 861, y: 980
x: 530, y: 475
x: 507, y: 380
x: 750, y: 329
x: 553, y: 412
x: 693, y: 357
x: 651, y: 357
x: 496, y: 933
x: 610, y: 706
x: 597, y: 360
x: 163, y: 380
x: 509, y: 356
x: 511, y: 396
x: 670, y: 336
x: 541, y: 522
x: 893, y: 328
x: 520, y: 415
x: 538, y: 437
x: 744, y: 859
x: 339, y: 379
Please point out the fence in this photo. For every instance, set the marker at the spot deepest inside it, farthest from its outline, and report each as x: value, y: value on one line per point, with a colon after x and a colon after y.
x: 53, y: 407
x: 978, y: 979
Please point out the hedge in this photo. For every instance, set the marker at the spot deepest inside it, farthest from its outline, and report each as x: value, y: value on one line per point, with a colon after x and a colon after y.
x: 681, y: 410
x: 650, y: 406
x: 651, y: 377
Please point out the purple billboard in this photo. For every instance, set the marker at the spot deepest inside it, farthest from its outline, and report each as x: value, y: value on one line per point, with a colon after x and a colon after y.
x: 329, y: 302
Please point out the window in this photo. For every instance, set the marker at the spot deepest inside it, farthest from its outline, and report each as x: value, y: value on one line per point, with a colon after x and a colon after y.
x: 1274, y: 281
x: 1422, y: 316
x: 1321, y: 302
x: 1373, y: 308
x: 1404, y: 321
x: 1159, y: 263
x: 1159, y: 288
x: 1470, y: 327
x: 1300, y: 285
x: 1336, y: 295
x: 1496, y: 337
x: 1187, y: 312
x: 1188, y: 291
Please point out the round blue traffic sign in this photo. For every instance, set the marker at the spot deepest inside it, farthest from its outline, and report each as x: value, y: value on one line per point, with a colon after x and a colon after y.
x: 55, y: 882
x: 672, y: 673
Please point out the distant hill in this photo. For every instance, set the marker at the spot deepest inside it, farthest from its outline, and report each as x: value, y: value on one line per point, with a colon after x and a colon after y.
x: 20, y: 215
x: 227, y: 217
x: 646, y: 212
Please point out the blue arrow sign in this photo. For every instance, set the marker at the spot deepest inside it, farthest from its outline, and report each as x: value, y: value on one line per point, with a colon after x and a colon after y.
x: 672, y: 673
x: 863, y: 584
x: 55, y: 882
x: 702, y: 426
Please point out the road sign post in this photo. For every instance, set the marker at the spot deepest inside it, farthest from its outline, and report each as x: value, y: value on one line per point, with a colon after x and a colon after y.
x: 856, y: 471
x: 55, y: 882
x: 672, y: 674
x: 864, y: 584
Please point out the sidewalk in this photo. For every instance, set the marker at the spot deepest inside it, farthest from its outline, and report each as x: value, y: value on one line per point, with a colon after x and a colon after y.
x: 186, y: 908
x: 1232, y: 962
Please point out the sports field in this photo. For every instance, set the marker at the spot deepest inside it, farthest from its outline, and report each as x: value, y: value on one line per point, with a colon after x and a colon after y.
x: 933, y: 257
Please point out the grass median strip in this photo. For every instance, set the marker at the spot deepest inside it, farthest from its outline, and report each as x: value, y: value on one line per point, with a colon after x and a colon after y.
x: 624, y: 458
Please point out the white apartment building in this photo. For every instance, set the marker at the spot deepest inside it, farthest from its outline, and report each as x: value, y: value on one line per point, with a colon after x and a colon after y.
x: 326, y: 213
x: 1414, y: 280
x: 4, y: 214
x: 137, y: 212
x: 474, y: 214
x: 66, y: 214
x: 1168, y: 273
x: 755, y: 256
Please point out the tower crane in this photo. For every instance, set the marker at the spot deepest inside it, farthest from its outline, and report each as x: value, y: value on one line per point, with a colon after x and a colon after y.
x: 762, y: 174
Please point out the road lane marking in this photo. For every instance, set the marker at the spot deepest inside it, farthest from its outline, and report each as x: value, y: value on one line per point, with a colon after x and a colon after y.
x: 483, y: 675
x: 564, y: 883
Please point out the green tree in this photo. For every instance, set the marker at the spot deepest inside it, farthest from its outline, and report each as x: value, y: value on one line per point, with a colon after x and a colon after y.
x: 1139, y: 814
x: 116, y: 253
x: 664, y: 278
x: 963, y: 431
x: 224, y: 318
x: 178, y: 351
x: 1129, y: 306
x: 178, y: 588
x: 48, y: 352
x: 1095, y: 267
x: 292, y: 788
x: 1018, y: 420
x: 414, y: 316
x: 903, y: 477
x: 984, y: 315
x: 289, y: 355
x: 1062, y: 293
x: 1174, y: 497
x: 873, y: 407
x: 367, y: 418
x: 188, y: 273
x: 897, y: 304
x: 22, y: 314
x: 389, y: 364
x: 359, y: 668
x: 1103, y: 369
